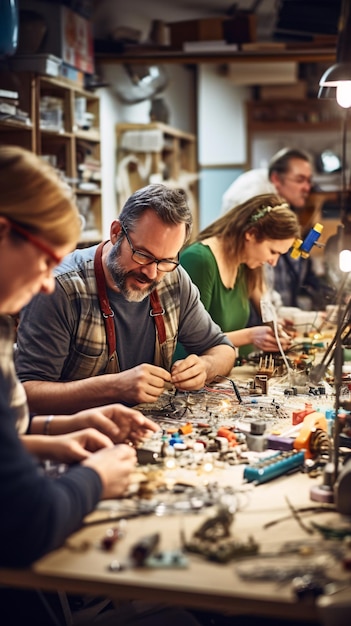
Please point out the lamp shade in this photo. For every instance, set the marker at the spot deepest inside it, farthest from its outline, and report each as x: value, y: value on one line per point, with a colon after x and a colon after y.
x: 338, y: 76
x: 336, y: 73
x: 326, y: 93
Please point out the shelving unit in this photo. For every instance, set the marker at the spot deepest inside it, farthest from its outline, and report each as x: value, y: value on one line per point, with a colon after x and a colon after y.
x: 146, y: 54
x: 156, y: 152
x: 291, y: 116
x: 63, y: 127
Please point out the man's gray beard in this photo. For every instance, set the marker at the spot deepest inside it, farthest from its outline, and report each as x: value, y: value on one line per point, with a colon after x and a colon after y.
x: 135, y: 295
x: 119, y: 276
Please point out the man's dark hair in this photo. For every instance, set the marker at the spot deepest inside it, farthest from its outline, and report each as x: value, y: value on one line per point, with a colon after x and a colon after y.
x: 280, y: 162
x: 169, y: 204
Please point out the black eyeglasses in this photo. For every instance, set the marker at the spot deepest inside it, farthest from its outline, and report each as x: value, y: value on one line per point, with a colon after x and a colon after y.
x: 142, y: 258
x: 299, y: 179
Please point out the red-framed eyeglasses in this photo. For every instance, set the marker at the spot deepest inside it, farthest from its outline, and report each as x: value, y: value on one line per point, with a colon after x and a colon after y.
x: 36, y: 242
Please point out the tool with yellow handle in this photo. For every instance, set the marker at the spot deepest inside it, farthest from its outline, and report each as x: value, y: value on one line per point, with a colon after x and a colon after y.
x: 303, y: 247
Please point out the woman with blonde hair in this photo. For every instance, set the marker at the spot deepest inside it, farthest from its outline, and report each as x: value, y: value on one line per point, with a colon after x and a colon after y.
x: 34, y: 196
x: 227, y: 261
x: 39, y: 224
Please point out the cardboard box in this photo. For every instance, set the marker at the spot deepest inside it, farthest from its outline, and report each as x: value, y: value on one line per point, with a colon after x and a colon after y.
x: 76, y: 76
x: 240, y: 28
x: 263, y: 73
x: 206, y: 29
x: 46, y: 64
x: 237, y: 29
x: 69, y: 36
x: 295, y: 91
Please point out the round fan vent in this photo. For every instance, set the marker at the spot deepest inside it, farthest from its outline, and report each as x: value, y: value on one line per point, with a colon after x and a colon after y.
x: 141, y: 82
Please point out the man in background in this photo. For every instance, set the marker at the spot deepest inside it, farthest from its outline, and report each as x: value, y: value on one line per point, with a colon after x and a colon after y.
x: 289, y: 174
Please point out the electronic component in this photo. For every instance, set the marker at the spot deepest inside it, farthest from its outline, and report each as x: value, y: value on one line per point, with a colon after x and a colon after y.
x: 261, y: 383
x: 227, y: 434
x: 213, y: 539
x: 111, y: 536
x: 266, y: 366
x: 273, y: 466
x: 279, y: 442
x: 310, y: 424
x: 143, y: 548
x: 186, y: 429
x: 255, y: 439
x: 145, y: 456
x: 174, y: 559
x: 299, y: 416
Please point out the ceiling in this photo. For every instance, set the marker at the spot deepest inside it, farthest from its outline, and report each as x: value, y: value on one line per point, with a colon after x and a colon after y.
x: 216, y: 7
x: 136, y: 13
x: 211, y: 7
x: 139, y: 14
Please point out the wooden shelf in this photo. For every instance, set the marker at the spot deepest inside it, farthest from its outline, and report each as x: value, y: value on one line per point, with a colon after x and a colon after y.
x: 10, y: 125
x: 291, y: 126
x: 165, y: 128
x: 72, y: 149
x: 88, y: 135
x: 145, y: 55
x: 174, y: 159
x: 293, y: 114
x: 298, y: 116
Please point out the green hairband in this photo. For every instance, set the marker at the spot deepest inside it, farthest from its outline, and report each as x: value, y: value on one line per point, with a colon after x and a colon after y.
x: 266, y: 209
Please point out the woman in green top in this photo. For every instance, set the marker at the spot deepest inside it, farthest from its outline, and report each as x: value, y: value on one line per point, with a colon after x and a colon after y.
x: 226, y: 263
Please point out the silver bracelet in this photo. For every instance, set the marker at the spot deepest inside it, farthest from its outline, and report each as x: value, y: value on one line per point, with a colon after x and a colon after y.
x: 47, y: 424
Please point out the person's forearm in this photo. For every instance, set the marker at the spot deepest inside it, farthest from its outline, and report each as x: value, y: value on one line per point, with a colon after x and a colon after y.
x: 39, y: 445
x: 219, y: 361
x: 242, y: 337
x: 45, y: 397
x: 54, y: 424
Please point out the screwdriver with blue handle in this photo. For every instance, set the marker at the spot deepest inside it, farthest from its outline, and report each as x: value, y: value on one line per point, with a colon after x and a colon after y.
x: 303, y: 247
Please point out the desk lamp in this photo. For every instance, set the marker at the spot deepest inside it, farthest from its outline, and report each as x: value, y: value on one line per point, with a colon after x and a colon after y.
x: 336, y: 82
x: 329, y: 491
x: 338, y: 76
x: 342, y: 478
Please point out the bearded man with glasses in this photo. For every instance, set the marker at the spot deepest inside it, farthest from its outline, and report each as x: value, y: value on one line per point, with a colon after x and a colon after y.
x: 109, y: 330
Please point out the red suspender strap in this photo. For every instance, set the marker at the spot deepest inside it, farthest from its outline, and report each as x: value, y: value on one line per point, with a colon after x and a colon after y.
x: 157, y: 312
x: 106, y: 310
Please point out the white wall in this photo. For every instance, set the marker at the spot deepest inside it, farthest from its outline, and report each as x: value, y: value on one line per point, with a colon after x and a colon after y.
x: 220, y: 128
x: 221, y: 121
x: 221, y: 133
x: 180, y: 97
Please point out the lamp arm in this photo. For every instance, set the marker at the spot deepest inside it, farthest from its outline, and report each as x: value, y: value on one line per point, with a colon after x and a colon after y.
x: 317, y: 372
